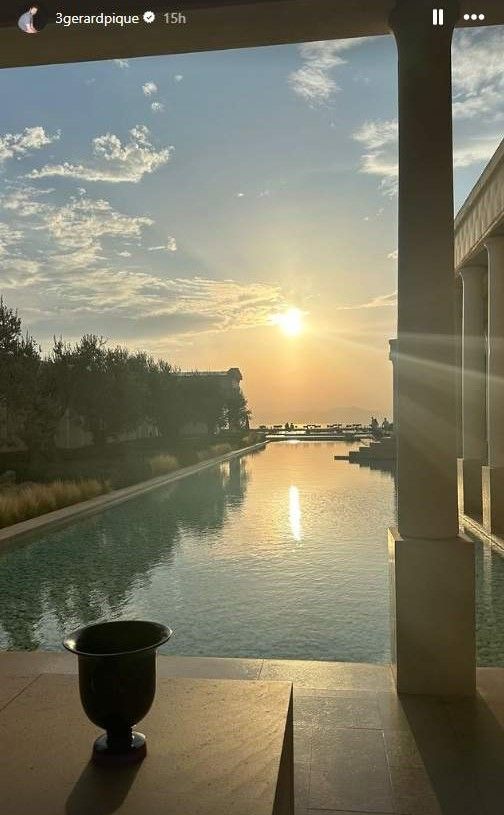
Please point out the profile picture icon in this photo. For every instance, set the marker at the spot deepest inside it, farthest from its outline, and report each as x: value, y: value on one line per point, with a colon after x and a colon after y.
x: 32, y: 19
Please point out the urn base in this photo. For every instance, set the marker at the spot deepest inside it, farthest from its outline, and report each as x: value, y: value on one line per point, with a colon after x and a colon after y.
x: 110, y: 752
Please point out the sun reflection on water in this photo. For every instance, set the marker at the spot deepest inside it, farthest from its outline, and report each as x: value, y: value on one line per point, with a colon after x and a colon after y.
x: 295, y: 513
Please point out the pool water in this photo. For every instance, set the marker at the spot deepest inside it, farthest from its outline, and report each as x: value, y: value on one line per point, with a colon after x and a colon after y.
x: 282, y: 553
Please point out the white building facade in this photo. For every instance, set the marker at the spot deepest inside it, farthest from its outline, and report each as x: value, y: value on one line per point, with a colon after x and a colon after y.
x: 479, y: 267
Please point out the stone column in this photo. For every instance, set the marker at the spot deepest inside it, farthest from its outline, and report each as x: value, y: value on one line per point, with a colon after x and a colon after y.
x: 474, y: 452
x: 458, y: 361
x: 393, y: 359
x: 432, y: 568
x: 493, y: 474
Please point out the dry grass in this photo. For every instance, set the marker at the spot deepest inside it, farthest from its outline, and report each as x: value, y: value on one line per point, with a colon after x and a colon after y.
x: 163, y: 463
x: 252, y: 438
x: 220, y: 449
x: 32, y: 500
x: 214, y: 451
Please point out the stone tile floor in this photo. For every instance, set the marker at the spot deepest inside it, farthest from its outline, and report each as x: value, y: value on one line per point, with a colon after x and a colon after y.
x: 358, y: 747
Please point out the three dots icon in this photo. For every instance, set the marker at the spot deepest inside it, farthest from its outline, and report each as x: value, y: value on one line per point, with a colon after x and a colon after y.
x: 474, y: 17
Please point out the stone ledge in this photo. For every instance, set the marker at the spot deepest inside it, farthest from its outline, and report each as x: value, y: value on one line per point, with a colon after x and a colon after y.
x: 472, y: 526
x: 213, y: 747
x: 311, y: 678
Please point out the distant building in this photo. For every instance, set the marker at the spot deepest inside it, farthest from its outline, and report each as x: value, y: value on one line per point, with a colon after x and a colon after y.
x: 229, y: 380
x: 479, y: 311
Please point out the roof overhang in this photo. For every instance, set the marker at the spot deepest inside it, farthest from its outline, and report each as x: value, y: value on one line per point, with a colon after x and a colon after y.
x: 211, y: 25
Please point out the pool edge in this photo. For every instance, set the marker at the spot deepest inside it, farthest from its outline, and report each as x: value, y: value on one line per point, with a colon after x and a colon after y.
x: 66, y: 515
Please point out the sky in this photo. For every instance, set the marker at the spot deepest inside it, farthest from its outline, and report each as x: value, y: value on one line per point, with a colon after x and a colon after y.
x: 180, y: 204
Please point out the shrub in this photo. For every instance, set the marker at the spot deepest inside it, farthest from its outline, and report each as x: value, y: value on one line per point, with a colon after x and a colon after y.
x: 220, y: 449
x: 252, y: 438
x: 214, y: 451
x: 163, y: 463
x: 32, y: 500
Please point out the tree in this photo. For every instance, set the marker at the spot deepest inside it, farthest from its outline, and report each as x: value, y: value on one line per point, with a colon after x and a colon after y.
x: 204, y: 401
x: 142, y: 372
x: 126, y: 405
x: 109, y: 389
x: 237, y: 412
x: 89, y: 390
x: 26, y: 385
x: 166, y: 399
x: 10, y: 331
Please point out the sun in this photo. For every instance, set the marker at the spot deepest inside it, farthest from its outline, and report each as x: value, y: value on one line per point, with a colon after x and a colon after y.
x: 290, y: 322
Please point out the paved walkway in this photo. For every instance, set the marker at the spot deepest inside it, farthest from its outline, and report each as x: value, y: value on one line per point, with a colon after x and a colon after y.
x: 358, y: 748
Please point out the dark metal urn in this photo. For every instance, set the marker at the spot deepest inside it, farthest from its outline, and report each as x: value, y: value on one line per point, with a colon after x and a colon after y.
x: 117, y: 682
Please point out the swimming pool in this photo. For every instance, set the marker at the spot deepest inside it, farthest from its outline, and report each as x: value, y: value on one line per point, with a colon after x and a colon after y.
x: 282, y: 553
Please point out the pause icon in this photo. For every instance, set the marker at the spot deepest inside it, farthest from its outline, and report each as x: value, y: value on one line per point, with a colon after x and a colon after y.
x: 437, y: 16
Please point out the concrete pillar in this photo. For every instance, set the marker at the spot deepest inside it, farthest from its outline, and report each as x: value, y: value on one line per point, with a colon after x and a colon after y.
x: 393, y: 359
x: 432, y: 568
x: 493, y: 474
x: 474, y: 451
x: 458, y: 361
x: 393, y: 353
x: 458, y: 391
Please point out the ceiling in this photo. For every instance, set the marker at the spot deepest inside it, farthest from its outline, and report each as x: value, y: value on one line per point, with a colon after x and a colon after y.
x: 210, y: 25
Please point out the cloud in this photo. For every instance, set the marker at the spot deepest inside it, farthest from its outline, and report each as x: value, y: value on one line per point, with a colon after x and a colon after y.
x: 113, y: 160
x: 149, y: 88
x: 20, y: 144
x: 60, y: 239
x: 66, y: 263
x: 9, y: 237
x: 474, y: 150
x: 83, y: 221
x: 379, y: 139
x: 378, y: 134
x: 375, y: 215
x: 24, y: 274
x: 314, y: 81
x: 23, y: 200
x: 169, y: 246
x: 478, y: 74
x: 156, y: 314
x: 122, y: 63
x: 381, y: 301
x: 187, y: 306
x: 227, y: 304
x: 478, y: 109
x: 157, y: 107
x: 178, y: 78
